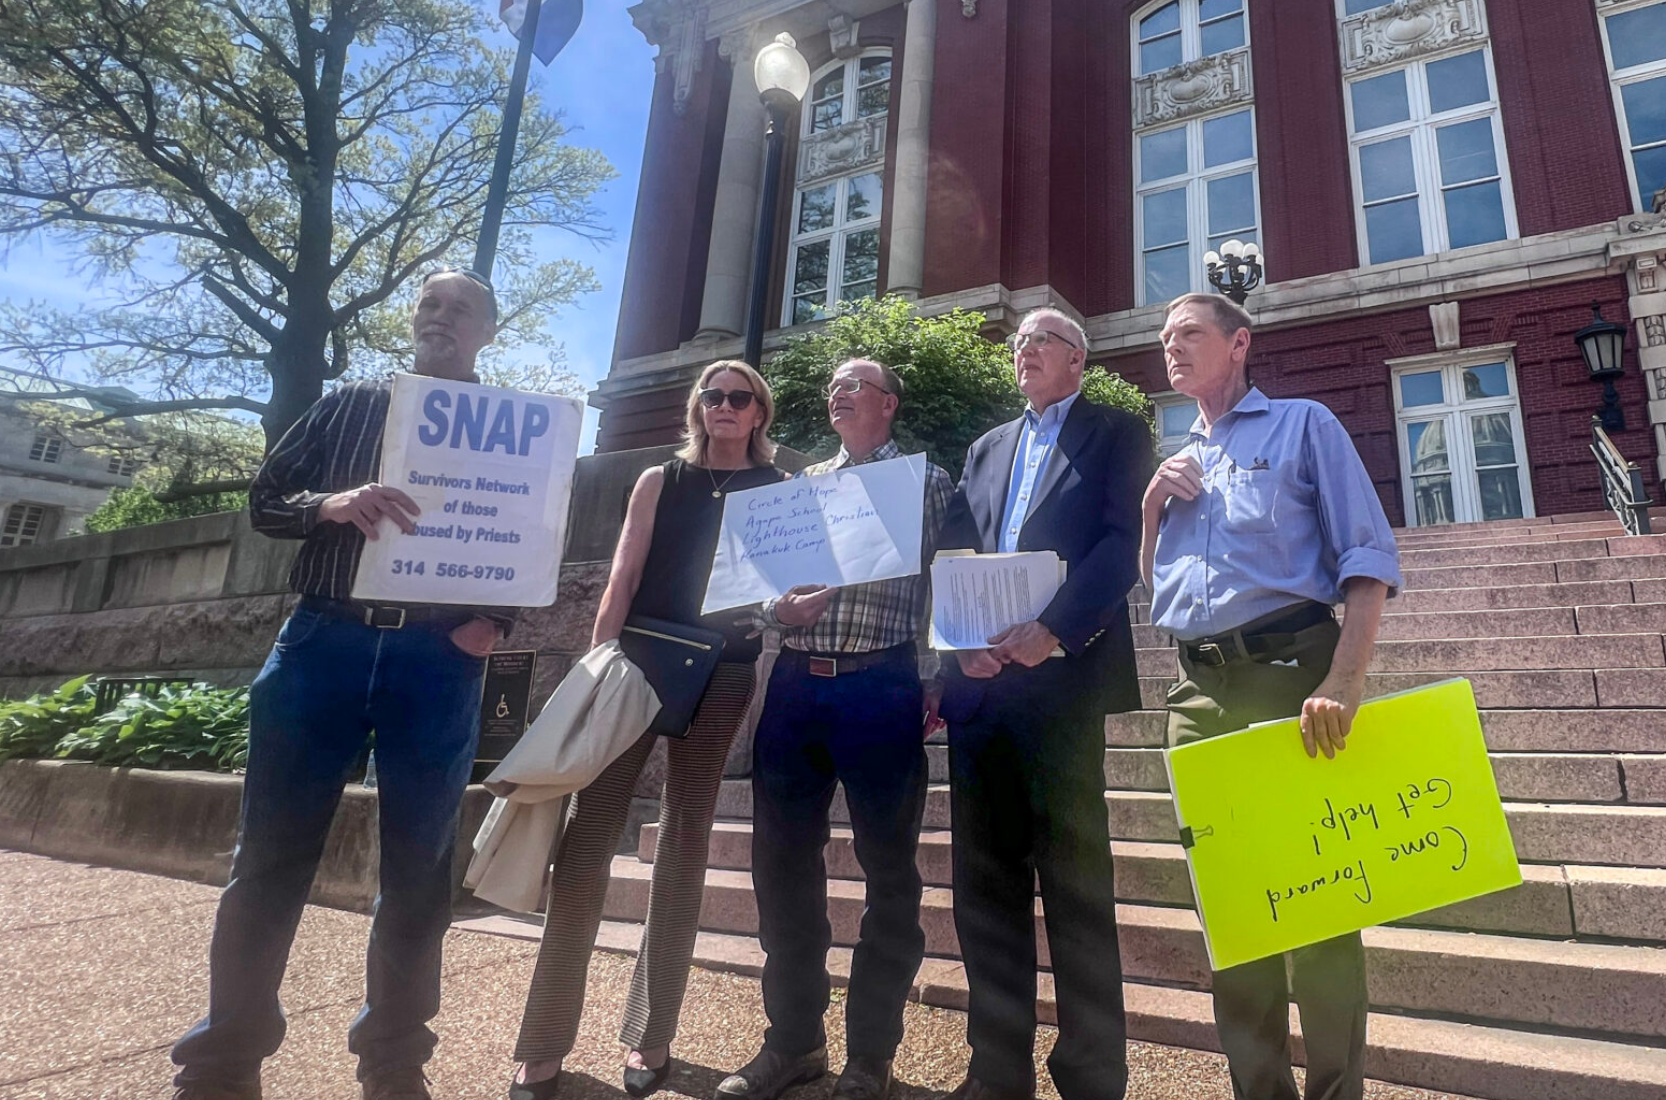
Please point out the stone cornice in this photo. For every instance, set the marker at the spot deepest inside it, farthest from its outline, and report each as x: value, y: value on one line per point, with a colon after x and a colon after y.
x: 1408, y: 29
x: 1194, y: 88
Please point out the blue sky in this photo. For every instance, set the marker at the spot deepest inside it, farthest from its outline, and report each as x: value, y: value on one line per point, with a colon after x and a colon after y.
x: 602, y: 82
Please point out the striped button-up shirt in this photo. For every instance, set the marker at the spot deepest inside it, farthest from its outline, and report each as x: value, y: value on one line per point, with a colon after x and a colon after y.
x: 863, y: 618
x: 335, y: 446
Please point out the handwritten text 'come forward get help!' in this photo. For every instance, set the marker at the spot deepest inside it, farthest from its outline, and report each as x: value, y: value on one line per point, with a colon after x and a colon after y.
x: 492, y: 471
x: 1287, y: 850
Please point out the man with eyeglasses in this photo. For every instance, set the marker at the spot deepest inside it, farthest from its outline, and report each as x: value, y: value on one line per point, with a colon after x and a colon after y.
x: 341, y: 669
x: 845, y: 705
x: 1026, y: 723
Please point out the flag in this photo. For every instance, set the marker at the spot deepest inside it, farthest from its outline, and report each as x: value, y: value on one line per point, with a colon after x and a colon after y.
x: 557, y: 20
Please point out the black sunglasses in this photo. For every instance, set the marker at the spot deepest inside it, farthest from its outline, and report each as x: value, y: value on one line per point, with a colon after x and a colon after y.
x: 738, y: 399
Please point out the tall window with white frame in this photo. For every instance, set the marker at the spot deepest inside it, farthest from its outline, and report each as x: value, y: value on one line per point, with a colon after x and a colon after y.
x: 1427, y: 142
x: 1635, y: 36
x: 835, y: 228
x: 1194, y: 181
x: 21, y: 525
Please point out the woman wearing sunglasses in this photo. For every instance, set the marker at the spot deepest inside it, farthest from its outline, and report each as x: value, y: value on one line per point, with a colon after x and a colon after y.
x: 660, y: 570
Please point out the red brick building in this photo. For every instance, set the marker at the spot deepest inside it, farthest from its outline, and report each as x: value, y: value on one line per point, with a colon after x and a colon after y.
x: 1441, y: 188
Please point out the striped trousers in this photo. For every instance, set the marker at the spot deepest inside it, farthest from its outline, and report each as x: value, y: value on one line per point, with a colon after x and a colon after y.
x: 583, y: 859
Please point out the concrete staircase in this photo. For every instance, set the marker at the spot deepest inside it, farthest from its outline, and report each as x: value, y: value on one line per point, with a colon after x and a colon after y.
x: 1553, y: 991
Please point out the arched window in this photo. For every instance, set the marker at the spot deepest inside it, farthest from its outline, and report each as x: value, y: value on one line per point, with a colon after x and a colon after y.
x: 1427, y: 144
x: 836, y: 203
x: 1195, y: 182
x: 1635, y: 37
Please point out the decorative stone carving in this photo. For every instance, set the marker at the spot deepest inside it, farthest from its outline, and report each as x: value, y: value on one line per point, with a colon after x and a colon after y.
x: 841, y: 32
x: 1193, y: 88
x: 1444, y: 318
x: 679, y: 30
x: 1654, y: 331
x: 968, y: 8
x: 842, y: 149
x: 1406, y: 29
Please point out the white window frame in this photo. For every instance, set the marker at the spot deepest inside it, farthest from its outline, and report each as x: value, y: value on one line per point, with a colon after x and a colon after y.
x: 27, y: 533
x: 1191, y: 30
x: 1169, y: 444
x: 1617, y: 80
x: 46, y: 448
x: 1460, y: 446
x: 1425, y: 153
x: 842, y: 228
x: 123, y: 465
x: 1197, y: 195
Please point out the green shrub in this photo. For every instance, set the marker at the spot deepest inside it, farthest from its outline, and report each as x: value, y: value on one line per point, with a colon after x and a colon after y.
x: 34, y: 726
x: 199, y: 726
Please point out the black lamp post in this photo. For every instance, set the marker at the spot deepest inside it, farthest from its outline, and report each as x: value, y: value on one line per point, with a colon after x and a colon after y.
x: 1235, y: 270
x: 782, y: 76
x: 1602, y: 343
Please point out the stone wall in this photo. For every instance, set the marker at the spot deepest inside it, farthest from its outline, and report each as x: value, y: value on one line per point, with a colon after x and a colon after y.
x: 204, y: 597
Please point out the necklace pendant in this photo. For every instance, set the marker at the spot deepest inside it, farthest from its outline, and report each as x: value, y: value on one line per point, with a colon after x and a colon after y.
x: 717, y: 495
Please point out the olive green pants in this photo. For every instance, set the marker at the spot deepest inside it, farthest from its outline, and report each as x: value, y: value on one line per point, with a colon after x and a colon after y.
x: 1326, y: 980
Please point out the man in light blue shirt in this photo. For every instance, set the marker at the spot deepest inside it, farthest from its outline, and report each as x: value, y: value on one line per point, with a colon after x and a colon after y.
x: 1253, y: 532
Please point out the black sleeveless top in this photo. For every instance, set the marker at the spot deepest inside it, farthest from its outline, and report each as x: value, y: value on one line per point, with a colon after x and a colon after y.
x: 680, y: 554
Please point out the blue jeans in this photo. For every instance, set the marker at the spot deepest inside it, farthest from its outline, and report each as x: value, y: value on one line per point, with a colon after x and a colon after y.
x: 326, y: 685
x: 861, y: 729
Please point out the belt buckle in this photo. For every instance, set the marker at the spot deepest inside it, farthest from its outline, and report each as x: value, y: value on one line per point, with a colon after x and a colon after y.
x: 827, y: 667
x: 1211, y: 654
x: 370, y: 614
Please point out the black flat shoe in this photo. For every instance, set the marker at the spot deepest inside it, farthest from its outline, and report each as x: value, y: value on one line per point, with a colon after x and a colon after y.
x: 535, y: 1090
x: 645, y: 1082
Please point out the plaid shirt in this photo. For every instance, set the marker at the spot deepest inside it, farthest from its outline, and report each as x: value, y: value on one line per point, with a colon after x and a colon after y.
x: 335, y: 446
x: 862, y: 618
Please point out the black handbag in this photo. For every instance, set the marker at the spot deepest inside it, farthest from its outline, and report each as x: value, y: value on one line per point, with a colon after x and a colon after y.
x: 678, y: 661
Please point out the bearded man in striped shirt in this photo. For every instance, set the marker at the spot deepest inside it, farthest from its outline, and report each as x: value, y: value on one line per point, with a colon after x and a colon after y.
x: 341, y: 669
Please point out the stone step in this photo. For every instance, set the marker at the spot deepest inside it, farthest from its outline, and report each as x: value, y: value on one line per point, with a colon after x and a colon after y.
x: 1658, y: 515
x: 1569, y: 833
x: 1603, y: 903
x: 1460, y: 1058
x: 1567, y: 651
x: 1617, y: 568
x: 1605, y: 989
x: 1600, y: 835
x: 1508, y: 553
x: 1553, y: 689
x: 1554, y: 731
x: 1402, y: 624
x: 1515, y: 536
x: 1634, y: 779
x: 1511, y: 596
x: 1623, y: 618
x: 1521, y: 777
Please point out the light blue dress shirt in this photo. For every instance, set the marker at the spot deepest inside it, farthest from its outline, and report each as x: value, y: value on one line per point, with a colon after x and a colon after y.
x: 1038, y: 438
x: 1287, y: 514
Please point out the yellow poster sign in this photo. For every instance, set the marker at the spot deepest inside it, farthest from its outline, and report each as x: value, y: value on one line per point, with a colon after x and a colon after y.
x: 1286, y: 851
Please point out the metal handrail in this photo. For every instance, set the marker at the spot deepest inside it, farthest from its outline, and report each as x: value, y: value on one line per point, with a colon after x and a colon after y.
x: 1622, y: 482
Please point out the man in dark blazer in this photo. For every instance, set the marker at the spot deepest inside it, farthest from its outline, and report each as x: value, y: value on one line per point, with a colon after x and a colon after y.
x: 1026, y: 725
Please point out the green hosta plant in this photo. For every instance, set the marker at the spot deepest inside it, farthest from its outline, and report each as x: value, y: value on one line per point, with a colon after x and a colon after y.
x: 178, y: 727
x: 34, y: 726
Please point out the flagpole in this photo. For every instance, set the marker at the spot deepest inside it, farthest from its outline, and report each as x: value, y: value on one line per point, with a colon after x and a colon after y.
x: 497, y: 194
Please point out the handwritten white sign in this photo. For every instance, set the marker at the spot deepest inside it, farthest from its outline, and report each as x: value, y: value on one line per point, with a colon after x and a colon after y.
x: 976, y: 596
x: 851, y: 526
x: 492, y: 470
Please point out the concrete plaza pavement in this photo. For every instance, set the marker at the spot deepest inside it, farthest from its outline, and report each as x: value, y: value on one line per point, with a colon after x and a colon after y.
x: 101, y: 969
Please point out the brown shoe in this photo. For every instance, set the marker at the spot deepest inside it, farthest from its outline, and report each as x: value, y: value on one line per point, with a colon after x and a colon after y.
x: 406, y: 1083
x: 771, y: 1073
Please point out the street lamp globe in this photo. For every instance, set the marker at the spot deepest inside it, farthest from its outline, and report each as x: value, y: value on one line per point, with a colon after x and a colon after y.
x: 781, y: 73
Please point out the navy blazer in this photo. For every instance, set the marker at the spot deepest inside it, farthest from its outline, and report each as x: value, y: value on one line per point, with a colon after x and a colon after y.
x: 1087, y: 509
